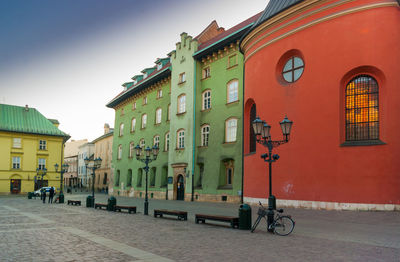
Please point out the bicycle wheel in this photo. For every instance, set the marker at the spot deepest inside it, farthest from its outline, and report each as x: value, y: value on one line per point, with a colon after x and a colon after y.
x: 256, y: 224
x: 283, y: 226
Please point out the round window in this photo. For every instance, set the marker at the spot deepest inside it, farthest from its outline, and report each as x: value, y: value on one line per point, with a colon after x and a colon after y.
x: 293, y: 69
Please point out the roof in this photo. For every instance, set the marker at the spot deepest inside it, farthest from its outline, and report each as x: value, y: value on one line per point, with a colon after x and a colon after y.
x: 27, y: 120
x: 228, y: 36
x: 273, y: 8
x: 104, y: 136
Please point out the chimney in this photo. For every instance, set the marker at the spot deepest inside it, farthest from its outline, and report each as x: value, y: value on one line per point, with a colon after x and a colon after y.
x: 106, y: 128
x: 26, y: 108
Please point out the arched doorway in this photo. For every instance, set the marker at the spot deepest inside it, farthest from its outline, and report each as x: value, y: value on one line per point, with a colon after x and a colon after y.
x: 180, y: 190
x: 15, y: 186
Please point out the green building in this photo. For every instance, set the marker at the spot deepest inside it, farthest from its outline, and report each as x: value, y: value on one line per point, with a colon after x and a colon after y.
x: 190, y: 105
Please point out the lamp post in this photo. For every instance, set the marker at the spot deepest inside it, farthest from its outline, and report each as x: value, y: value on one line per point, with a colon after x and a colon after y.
x: 146, y: 160
x: 263, y: 136
x: 94, y: 164
x: 64, y: 168
x: 41, y: 172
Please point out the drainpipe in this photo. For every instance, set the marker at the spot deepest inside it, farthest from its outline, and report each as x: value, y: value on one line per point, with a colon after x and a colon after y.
x: 194, y: 126
x: 241, y: 197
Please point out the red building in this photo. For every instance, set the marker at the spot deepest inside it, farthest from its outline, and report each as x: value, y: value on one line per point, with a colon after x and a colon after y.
x: 333, y: 68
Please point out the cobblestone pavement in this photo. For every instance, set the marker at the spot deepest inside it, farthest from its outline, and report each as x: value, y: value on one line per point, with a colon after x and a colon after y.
x: 33, y: 231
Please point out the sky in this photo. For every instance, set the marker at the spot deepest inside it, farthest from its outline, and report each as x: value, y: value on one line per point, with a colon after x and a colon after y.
x: 69, y: 58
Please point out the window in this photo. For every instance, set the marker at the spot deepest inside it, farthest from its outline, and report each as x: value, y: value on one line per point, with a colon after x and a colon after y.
x: 180, y: 139
x: 121, y: 129
x: 16, y: 162
x: 205, y: 132
x: 131, y: 149
x: 158, y: 115
x: 159, y: 93
x: 42, y: 163
x: 232, y: 61
x: 182, y: 78
x: 42, y: 144
x: 134, y: 106
x: 144, y: 75
x: 122, y: 112
x: 156, y: 141
x: 229, y: 176
x: 142, y: 143
x: 144, y: 120
x: 145, y: 100
x: 293, y: 69
x: 133, y: 125
x: 233, y: 91
x: 17, y: 143
x: 129, y: 178
x: 181, y: 104
x: 159, y: 66
x: 119, y: 152
x: 362, y: 108
x: 206, y: 72
x: 166, y: 145
x: 252, y: 138
x: 206, y: 100
x: 169, y: 112
x: 230, y: 130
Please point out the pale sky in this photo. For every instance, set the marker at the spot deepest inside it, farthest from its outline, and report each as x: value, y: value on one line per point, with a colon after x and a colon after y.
x: 68, y: 59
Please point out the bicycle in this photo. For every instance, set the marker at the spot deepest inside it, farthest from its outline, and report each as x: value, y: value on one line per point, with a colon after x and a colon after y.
x: 282, y: 225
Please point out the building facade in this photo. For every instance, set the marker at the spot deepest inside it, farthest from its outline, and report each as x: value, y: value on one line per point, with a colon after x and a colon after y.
x: 30, y: 146
x: 340, y: 89
x: 71, y: 151
x: 84, y: 175
x: 103, y: 149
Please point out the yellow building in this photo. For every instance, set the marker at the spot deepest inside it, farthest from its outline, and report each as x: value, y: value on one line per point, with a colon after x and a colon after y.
x: 30, y: 146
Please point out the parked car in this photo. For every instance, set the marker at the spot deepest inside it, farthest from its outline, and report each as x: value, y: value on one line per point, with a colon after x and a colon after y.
x: 47, y: 188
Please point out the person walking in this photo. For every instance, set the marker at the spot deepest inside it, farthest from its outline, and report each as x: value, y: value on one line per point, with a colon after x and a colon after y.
x: 51, y: 195
x: 44, y: 195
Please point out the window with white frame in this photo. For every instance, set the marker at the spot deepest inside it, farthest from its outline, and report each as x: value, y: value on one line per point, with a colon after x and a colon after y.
x: 180, y: 139
x: 142, y: 143
x: 17, y: 143
x: 156, y: 141
x: 205, y: 132
x: 131, y: 149
x: 133, y: 125
x: 169, y: 112
x: 182, y: 78
x: 233, y: 91
x: 230, y: 130
x: 134, y: 106
x: 158, y: 115
x: 159, y: 93
x: 119, y: 152
x: 145, y: 100
x: 144, y: 120
x: 206, y: 72
x: 206, y: 99
x: 41, y: 163
x: 16, y: 162
x: 42, y: 144
x: 181, y: 104
x: 166, y: 144
x: 121, y: 129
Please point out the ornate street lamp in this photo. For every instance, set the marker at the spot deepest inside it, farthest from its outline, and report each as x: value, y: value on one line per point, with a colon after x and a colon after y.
x: 41, y: 172
x: 147, y: 159
x: 93, y: 164
x: 64, y: 169
x: 263, y: 136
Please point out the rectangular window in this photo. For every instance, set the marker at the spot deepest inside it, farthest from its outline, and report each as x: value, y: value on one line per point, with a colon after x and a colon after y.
x: 42, y: 144
x: 158, y: 115
x: 181, y: 139
x: 17, y: 143
x: 16, y: 162
x: 134, y: 106
x: 182, y: 78
x: 169, y: 112
x: 159, y: 93
x: 157, y: 141
x: 206, y: 72
x: 232, y: 60
x: 42, y: 163
x: 231, y: 129
x: 144, y: 121
x: 181, y: 104
x: 166, y: 142
x: 233, y: 91
x: 145, y: 100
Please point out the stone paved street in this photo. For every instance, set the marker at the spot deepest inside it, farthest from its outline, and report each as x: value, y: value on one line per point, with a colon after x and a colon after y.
x: 33, y: 231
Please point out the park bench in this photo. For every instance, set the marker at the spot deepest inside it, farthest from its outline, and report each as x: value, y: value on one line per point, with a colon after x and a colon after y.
x: 100, y: 206
x: 74, y: 202
x: 234, y: 221
x: 182, y: 215
x: 131, y: 209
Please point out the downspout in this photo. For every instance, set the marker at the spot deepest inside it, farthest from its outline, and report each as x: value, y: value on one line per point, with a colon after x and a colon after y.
x: 241, y: 197
x: 194, y: 126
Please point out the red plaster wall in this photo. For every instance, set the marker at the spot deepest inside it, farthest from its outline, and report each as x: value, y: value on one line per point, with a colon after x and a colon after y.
x: 313, y: 166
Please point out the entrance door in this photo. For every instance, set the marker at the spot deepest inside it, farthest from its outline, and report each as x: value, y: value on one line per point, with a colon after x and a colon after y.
x: 15, y: 186
x: 180, y: 193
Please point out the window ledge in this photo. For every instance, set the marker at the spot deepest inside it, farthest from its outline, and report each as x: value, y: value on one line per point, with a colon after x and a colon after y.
x: 180, y: 114
x: 229, y: 143
x: 250, y: 154
x: 202, y: 147
x: 206, y: 110
x: 233, y: 102
x: 180, y: 83
x: 157, y: 124
x: 179, y: 149
x: 225, y: 187
x: 363, y: 143
x: 132, y: 132
x: 231, y: 67
x: 205, y: 78
x: 142, y: 128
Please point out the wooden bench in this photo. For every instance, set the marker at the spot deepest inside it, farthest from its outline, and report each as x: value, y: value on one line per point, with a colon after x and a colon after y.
x: 130, y: 209
x: 100, y: 206
x: 74, y: 202
x: 233, y: 220
x: 182, y: 215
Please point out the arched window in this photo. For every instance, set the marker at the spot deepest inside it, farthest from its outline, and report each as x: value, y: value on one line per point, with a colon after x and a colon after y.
x: 206, y: 100
x: 181, y: 104
x: 232, y: 91
x: 119, y: 151
x: 205, y: 132
x: 166, y: 145
x: 180, y: 139
x: 144, y: 120
x: 142, y: 143
x: 362, y: 109
x: 158, y: 115
x: 230, y: 130
x: 131, y: 149
x: 133, y: 125
x: 129, y: 178
x: 156, y: 141
x: 252, y: 138
x: 121, y: 129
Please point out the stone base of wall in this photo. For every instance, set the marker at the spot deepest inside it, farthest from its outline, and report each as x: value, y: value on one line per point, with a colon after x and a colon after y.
x: 325, y: 205
x: 213, y: 198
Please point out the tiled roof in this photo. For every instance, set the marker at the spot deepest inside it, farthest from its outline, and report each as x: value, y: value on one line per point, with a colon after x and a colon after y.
x: 104, y: 136
x: 26, y: 120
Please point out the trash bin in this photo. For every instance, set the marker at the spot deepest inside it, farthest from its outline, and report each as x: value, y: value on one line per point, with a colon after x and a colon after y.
x: 112, y: 201
x: 30, y: 195
x: 61, y: 198
x: 245, y: 217
x: 89, y: 201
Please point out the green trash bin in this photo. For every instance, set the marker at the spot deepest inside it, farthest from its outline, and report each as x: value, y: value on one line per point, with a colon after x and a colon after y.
x: 30, y: 195
x: 112, y: 201
x: 245, y: 217
x: 89, y: 201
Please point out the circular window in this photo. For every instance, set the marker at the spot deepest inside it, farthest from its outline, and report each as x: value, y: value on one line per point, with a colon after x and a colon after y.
x: 293, y: 69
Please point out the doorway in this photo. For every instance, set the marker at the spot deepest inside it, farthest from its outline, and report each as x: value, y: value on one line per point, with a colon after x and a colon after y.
x: 15, y: 186
x: 180, y: 192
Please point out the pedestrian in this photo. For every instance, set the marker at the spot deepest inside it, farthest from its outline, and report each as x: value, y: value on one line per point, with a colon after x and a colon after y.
x: 51, y: 195
x: 44, y: 195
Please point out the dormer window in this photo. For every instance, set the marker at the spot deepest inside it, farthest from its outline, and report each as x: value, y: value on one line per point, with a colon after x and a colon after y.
x: 144, y: 75
x: 159, y: 66
x: 134, y: 82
